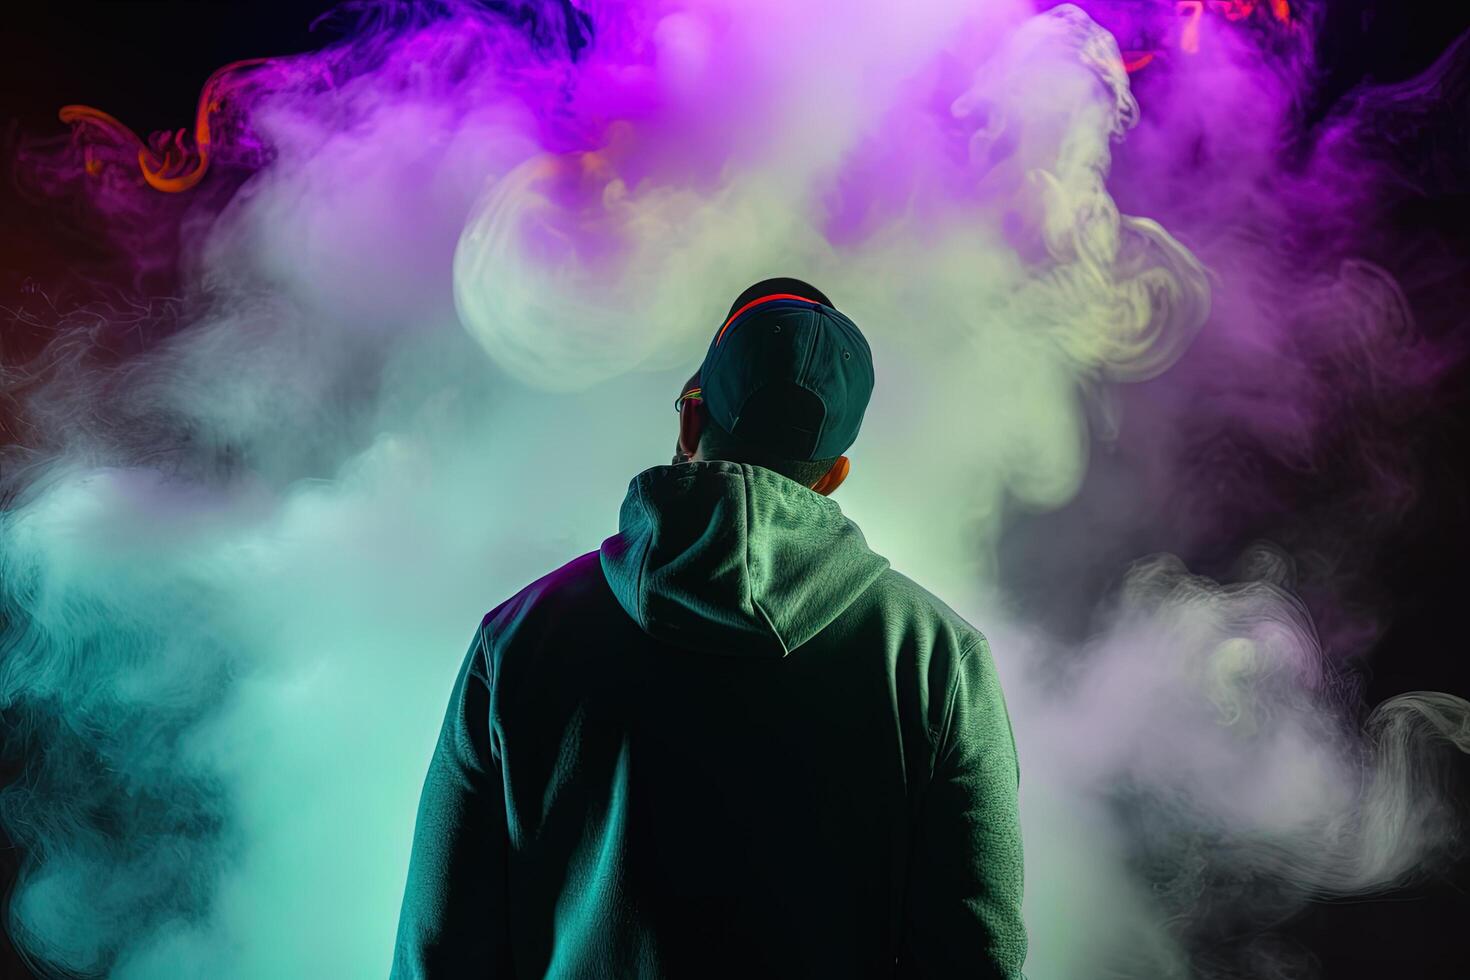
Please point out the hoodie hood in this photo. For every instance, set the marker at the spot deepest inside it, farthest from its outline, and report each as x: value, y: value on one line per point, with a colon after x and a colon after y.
x: 734, y: 559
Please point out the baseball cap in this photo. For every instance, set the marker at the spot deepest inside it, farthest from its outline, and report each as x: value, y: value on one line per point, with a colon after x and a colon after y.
x: 786, y: 372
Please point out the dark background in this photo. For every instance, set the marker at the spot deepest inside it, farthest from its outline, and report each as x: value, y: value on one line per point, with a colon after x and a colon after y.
x: 145, y: 62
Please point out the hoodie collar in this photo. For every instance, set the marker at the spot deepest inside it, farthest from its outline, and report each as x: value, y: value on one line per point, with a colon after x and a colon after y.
x: 734, y: 559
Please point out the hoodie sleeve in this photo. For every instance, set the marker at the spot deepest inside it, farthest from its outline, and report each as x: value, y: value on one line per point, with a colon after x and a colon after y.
x: 452, y: 922
x: 964, y: 907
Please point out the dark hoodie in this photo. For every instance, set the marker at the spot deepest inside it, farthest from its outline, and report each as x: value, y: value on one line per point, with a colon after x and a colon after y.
x: 732, y: 743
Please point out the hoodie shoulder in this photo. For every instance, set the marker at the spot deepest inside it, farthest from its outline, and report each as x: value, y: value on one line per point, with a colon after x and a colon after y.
x: 899, y: 598
x: 576, y: 586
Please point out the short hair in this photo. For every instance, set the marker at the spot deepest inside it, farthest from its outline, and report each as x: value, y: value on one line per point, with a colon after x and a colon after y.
x: 716, y: 443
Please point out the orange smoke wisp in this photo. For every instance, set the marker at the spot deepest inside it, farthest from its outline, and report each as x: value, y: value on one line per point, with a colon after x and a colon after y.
x: 1241, y: 9
x: 1134, y: 60
x: 167, y: 168
x: 1233, y: 9
x: 1191, y: 10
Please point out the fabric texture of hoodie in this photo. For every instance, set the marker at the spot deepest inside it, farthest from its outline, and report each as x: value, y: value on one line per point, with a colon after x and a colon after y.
x: 732, y: 742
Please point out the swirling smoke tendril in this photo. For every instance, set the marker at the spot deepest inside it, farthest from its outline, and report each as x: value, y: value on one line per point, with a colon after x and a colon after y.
x: 434, y: 282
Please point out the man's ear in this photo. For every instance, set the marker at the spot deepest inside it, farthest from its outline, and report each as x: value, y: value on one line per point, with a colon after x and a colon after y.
x: 833, y: 478
x: 691, y: 425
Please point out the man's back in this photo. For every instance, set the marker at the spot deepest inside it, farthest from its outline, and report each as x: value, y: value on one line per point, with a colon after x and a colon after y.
x: 733, y: 742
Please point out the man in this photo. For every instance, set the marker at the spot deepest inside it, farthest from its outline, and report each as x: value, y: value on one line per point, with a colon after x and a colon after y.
x: 732, y: 742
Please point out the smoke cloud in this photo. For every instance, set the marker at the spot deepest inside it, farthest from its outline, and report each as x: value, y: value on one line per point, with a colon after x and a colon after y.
x: 436, y: 299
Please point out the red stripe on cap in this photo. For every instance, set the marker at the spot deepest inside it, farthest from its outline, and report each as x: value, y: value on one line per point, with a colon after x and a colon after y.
x: 757, y: 302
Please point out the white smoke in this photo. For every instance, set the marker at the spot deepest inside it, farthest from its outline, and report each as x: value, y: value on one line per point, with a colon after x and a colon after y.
x: 423, y: 361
